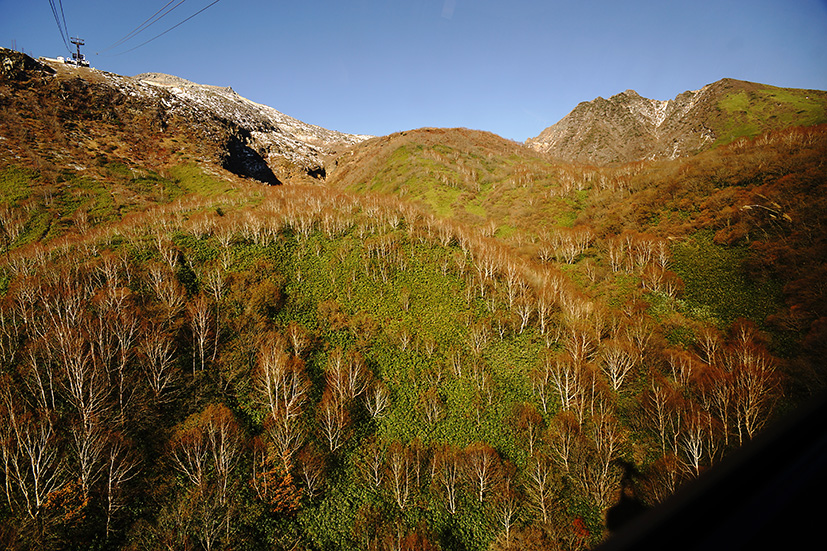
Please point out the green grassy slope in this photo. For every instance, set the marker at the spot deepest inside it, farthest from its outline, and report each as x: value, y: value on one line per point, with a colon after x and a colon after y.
x: 473, y: 177
x: 747, y: 110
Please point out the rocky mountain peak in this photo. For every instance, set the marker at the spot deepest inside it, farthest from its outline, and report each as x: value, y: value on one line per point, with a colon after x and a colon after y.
x: 628, y: 127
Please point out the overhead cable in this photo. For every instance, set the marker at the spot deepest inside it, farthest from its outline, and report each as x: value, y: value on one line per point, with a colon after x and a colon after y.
x: 63, y: 18
x: 60, y: 26
x: 154, y: 18
x: 169, y: 29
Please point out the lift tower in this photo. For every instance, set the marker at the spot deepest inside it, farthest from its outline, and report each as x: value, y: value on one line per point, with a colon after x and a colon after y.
x: 78, y: 57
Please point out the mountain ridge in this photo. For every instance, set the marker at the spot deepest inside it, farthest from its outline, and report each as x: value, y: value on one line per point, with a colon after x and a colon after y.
x: 255, y: 140
x: 627, y: 127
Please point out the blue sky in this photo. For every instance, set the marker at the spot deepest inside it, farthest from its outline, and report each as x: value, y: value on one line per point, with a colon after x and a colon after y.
x: 380, y: 66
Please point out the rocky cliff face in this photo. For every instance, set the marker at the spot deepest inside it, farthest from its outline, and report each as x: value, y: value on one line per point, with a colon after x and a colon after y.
x: 627, y: 127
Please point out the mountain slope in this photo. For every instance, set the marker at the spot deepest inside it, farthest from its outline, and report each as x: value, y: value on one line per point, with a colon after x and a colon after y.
x: 51, y: 109
x: 627, y: 127
x: 471, y: 176
x: 729, y: 213
x: 281, y: 140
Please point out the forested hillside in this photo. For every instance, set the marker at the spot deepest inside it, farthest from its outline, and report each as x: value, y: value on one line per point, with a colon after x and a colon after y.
x: 451, y: 343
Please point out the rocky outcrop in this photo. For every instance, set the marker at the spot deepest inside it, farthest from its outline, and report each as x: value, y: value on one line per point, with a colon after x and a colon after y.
x: 17, y: 66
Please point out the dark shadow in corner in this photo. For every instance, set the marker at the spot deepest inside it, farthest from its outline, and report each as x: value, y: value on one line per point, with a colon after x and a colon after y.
x: 629, y: 507
x: 768, y: 494
x: 242, y: 160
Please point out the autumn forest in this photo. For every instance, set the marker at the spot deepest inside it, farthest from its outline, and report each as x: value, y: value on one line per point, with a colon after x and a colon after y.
x: 450, y: 342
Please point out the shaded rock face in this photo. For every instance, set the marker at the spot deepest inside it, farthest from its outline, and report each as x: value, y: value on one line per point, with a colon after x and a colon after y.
x: 628, y: 127
x: 242, y: 160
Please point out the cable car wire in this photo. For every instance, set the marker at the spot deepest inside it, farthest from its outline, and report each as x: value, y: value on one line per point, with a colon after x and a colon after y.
x: 169, y: 29
x: 64, y: 32
x: 63, y: 18
x: 154, y: 18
